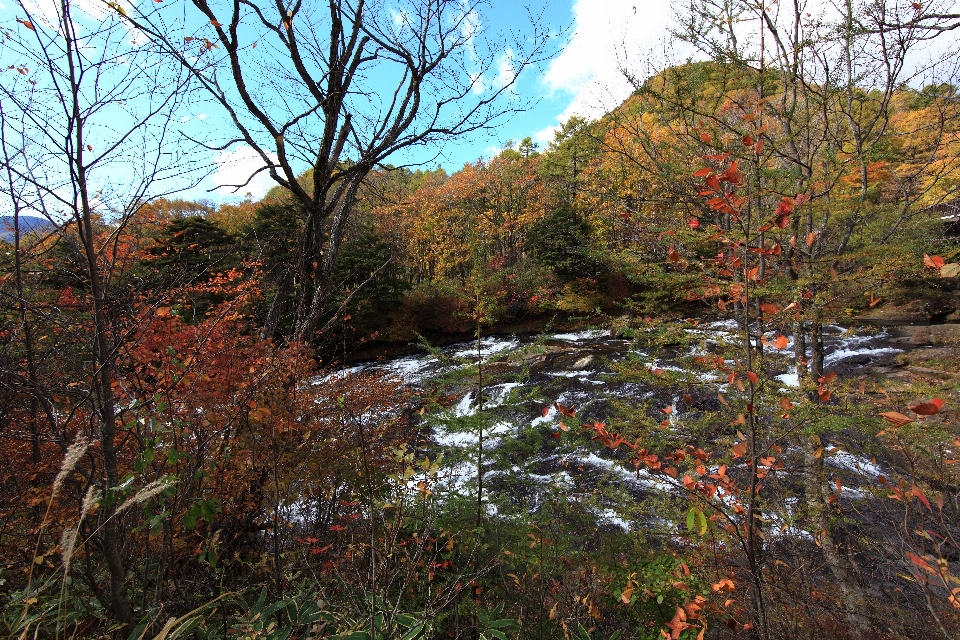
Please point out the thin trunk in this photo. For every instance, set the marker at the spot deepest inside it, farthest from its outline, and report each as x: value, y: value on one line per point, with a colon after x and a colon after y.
x: 841, y: 566
x: 103, y: 347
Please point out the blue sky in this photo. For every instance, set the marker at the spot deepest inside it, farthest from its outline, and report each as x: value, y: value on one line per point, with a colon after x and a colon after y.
x: 594, y: 38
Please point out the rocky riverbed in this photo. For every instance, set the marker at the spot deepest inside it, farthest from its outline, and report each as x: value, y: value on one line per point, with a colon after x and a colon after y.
x: 508, y: 405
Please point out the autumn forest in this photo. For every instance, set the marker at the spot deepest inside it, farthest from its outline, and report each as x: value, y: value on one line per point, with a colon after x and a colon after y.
x: 686, y: 370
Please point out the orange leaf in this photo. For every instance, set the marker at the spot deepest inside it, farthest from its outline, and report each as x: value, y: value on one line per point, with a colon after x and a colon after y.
x: 785, y: 404
x: 780, y: 342
x: 753, y: 377
x: 934, y: 262
x: 27, y: 24
x: 811, y: 238
x: 769, y: 308
x: 896, y: 419
x: 703, y: 172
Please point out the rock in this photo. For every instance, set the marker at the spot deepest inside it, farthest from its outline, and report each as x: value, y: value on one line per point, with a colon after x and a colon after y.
x: 934, y: 334
x: 582, y: 362
x: 914, y: 313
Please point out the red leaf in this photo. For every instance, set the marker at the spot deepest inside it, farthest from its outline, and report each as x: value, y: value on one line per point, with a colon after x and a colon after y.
x: 706, y: 137
x: 703, y: 172
x: 934, y: 262
x: 27, y: 24
x: 915, y: 490
x: 769, y: 308
x: 545, y: 411
x: 753, y: 377
x: 928, y: 408
x: 694, y: 223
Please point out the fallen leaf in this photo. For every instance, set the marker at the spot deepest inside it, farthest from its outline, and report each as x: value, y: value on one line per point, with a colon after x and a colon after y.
x: 896, y: 419
x: 934, y: 262
x: 927, y: 408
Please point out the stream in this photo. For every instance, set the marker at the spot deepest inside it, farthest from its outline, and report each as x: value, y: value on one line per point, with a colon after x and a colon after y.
x: 528, y: 459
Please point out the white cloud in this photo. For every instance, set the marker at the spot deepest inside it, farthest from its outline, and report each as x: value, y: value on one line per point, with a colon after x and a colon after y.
x: 610, y: 35
x: 505, y: 71
x: 184, y: 118
x: 469, y: 27
x: 235, y: 167
x: 477, y: 83
x: 607, y: 36
x: 202, y: 116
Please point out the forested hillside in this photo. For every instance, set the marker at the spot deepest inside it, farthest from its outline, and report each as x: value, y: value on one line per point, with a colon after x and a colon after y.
x: 188, y: 451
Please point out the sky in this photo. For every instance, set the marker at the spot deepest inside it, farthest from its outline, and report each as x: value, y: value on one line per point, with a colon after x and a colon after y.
x: 593, y: 40
x: 596, y: 38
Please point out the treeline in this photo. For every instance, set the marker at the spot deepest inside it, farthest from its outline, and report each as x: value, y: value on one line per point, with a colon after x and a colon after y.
x: 592, y: 224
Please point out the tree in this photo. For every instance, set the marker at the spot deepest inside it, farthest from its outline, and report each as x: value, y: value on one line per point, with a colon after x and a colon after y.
x: 303, y: 86
x: 87, y: 139
x: 796, y: 117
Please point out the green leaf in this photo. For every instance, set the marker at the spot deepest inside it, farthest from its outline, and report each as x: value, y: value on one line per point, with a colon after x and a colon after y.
x: 691, y: 519
x: 413, y: 633
x: 501, y: 624
x: 702, y: 519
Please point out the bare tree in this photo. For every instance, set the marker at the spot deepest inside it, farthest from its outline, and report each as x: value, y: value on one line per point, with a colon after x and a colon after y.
x: 87, y: 138
x: 324, y: 92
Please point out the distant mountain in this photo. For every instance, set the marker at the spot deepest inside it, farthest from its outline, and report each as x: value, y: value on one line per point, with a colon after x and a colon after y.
x: 28, y: 225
